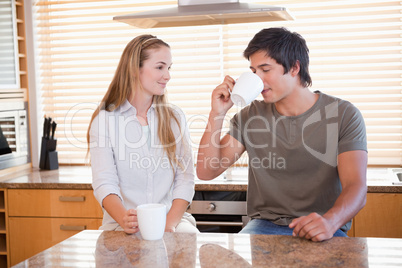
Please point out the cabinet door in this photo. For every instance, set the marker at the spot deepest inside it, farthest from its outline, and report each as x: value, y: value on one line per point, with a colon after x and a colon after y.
x: 53, y: 203
x: 381, y: 217
x: 29, y: 236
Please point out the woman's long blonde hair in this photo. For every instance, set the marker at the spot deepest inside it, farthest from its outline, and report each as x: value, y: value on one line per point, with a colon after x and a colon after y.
x: 124, y: 83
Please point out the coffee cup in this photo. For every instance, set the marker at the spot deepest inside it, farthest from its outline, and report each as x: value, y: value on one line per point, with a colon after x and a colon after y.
x: 151, y: 220
x: 247, y: 87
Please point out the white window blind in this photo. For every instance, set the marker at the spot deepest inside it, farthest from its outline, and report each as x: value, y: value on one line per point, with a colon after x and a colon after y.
x: 9, y: 68
x: 355, y: 54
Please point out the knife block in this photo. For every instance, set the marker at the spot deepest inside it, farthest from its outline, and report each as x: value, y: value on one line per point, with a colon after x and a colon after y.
x: 48, y: 154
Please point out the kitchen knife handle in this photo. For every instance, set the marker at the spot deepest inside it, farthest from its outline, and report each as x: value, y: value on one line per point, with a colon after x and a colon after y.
x: 45, y: 127
x: 49, y: 126
x: 53, y: 129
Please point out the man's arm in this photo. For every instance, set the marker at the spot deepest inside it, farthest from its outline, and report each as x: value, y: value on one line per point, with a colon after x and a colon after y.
x: 216, y: 155
x: 352, y: 168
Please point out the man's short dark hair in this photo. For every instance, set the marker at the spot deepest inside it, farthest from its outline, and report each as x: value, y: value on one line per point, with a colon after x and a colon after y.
x: 285, y: 47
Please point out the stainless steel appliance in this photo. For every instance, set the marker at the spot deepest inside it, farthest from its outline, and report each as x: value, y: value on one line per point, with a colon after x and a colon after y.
x: 222, y: 211
x: 219, y: 211
x: 206, y: 12
x: 14, y: 141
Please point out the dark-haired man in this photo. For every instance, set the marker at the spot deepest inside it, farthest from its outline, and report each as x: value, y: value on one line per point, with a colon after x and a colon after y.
x: 307, y: 150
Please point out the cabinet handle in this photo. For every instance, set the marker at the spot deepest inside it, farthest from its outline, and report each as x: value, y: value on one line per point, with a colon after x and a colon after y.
x: 73, y: 227
x: 72, y: 198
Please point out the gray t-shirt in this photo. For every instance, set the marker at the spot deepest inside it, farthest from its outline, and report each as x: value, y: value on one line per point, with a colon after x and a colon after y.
x: 293, y: 159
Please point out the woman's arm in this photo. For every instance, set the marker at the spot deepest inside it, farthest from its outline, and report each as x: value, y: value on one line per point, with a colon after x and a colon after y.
x: 183, y: 184
x: 179, y: 206
x: 105, y: 180
x: 127, y: 219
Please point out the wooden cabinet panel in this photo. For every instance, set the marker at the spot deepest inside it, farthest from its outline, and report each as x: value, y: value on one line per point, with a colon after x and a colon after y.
x: 381, y: 217
x: 53, y: 203
x: 4, y: 249
x: 351, y: 232
x: 29, y: 236
x: 41, y: 218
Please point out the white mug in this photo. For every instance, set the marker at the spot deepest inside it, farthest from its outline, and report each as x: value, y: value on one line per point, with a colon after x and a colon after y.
x: 247, y: 87
x: 151, y: 220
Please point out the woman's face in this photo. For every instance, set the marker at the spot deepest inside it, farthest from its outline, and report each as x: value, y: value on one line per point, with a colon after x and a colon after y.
x: 154, y: 73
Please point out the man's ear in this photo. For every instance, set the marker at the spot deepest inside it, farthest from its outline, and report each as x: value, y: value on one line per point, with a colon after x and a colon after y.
x: 294, y: 71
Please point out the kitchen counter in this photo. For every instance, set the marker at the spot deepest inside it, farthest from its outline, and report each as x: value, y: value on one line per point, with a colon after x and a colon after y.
x: 379, y: 180
x: 117, y: 249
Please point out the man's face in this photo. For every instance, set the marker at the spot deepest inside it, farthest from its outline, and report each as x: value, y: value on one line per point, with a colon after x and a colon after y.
x: 277, y: 85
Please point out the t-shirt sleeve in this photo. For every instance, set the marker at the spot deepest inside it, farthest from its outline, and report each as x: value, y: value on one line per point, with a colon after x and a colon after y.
x: 352, y: 134
x: 235, y: 129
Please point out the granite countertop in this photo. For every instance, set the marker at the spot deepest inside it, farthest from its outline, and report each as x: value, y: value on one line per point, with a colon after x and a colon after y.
x: 379, y: 180
x: 117, y: 249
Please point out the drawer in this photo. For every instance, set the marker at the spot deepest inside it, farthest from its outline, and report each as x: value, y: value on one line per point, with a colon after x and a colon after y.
x: 53, y: 203
x: 29, y: 236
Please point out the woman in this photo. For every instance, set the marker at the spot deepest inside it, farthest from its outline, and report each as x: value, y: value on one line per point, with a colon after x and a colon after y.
x: 139, y: 145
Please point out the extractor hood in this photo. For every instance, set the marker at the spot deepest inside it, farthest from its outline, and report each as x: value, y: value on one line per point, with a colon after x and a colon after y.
x: 204, y: 12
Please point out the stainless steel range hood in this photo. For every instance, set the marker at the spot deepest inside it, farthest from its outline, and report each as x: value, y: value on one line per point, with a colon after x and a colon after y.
x: 204, y: 12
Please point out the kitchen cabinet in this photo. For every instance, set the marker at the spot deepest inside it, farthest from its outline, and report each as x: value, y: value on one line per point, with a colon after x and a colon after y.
x: 381, y: 217
x: 3, y: 229
x: 41, y: 218
x: 38, y: 208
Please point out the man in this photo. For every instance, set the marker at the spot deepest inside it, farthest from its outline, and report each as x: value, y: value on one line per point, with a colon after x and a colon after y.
x: 307, y: 150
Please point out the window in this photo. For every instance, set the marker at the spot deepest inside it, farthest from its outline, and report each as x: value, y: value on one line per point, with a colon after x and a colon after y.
x: 9, y: 74
x: 355, y: 54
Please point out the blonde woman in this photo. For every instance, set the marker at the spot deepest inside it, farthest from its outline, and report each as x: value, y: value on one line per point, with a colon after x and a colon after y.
x: 139, y: 145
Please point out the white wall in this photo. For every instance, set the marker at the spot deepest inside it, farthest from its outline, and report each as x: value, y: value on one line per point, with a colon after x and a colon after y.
x: 35, y: 114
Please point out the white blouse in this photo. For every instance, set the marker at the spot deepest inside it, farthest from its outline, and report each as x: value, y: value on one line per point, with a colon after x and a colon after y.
x: 123, y: 164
